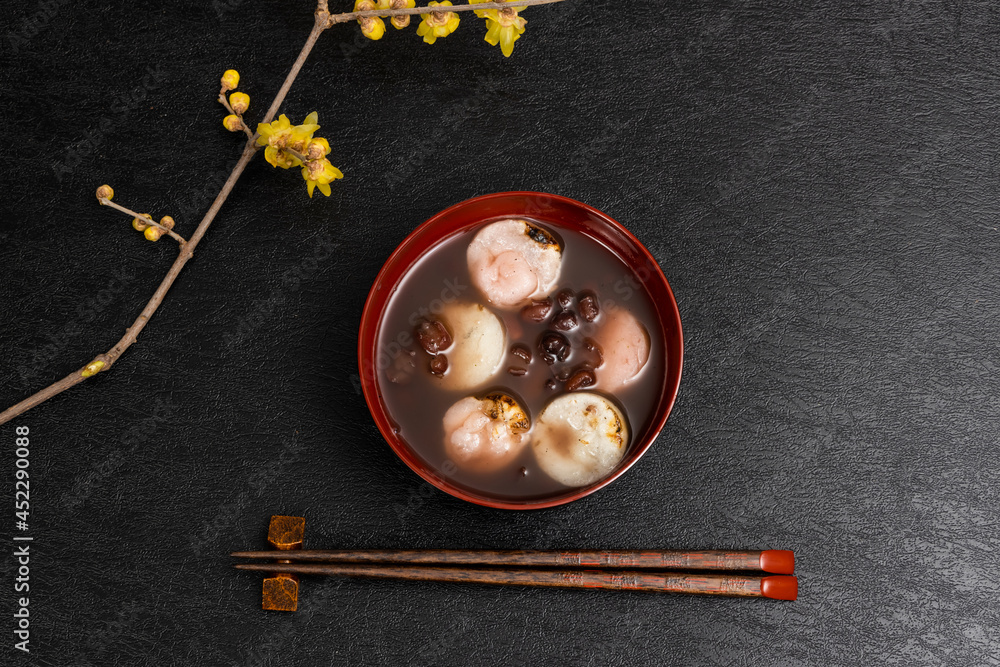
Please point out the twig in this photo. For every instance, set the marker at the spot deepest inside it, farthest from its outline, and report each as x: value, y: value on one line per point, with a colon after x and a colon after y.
x: 513, y: 4
x: 321, y: 24
x: 297, y: 155
x: 145, y: 218
x: 186, y: 251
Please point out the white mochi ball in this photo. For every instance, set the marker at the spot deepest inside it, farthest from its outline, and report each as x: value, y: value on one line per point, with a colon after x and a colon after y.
x: 579, y: 438
x: 479, y: 346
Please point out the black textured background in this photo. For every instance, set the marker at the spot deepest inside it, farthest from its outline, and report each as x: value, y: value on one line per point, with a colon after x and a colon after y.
x: 819, y: 182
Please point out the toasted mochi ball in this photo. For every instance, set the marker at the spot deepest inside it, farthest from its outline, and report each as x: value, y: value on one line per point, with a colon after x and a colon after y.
x: 484, y: 434
x: 626, y: 349
x: 512, y: 261
x: 579, y: 438
x: 478, y: 348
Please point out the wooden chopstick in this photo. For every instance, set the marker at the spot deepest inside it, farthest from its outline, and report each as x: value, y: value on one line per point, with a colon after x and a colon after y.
x: 777, y: 587
x: 773, y: 561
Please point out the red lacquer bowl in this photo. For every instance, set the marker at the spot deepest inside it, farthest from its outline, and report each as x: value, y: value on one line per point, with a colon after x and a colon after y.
x: 561, y: 212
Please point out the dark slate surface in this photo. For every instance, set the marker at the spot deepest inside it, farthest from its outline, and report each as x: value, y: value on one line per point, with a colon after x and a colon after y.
x: 818, y: 181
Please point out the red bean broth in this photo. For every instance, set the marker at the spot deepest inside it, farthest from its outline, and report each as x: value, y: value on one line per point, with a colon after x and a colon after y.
x: 416, y: 401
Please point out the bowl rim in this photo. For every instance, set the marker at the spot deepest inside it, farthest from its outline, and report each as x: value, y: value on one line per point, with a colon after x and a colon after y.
x: 368, y: 334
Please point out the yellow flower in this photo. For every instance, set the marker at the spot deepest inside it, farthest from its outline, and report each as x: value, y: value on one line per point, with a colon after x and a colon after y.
x: 294, y: 146
x: 481, y: 13
x: 372, y: 27
x: 488, y: 13
x: 105, y: 192
x: 320, y: 173
x: 230, y: 79
x: 503, y: 26
x: 437, y: 24
x: 232, y: 123
x: 284, y: 141
x: 398, y: 22
x: 276, y: 128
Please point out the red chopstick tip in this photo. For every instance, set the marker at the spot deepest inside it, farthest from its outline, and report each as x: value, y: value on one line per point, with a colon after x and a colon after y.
x: 777, y: 561
x: 780, y: 587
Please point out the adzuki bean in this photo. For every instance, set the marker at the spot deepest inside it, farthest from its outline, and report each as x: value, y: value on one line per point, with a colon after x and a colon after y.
x: 521, y: 352
x: 554, y: 346
x: 565, y: 321
x: 439, y: 365
x: 596, y: 354
x: 433, y: 336
x: 581, y: 380
x: 589, y: 307
x: 537, y: 311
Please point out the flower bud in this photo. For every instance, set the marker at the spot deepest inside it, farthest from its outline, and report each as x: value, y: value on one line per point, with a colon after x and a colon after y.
x: 399, y: 22
x: 167, y: 221
x: 153, y: 233
x: 372, y: 27
x: 139, y: 225
x: 232, y: 123
x: 240, y: 102
x: 93, y: 368
x: 230, y: 79
x: 105, y: 192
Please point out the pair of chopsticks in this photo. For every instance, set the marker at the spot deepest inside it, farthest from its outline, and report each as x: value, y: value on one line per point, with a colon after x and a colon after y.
x: 733, y: 573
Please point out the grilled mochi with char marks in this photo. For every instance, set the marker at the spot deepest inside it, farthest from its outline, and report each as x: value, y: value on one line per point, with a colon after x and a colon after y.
x: 579, y: 438
x: 513, y: 261
x: 484, y: 434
